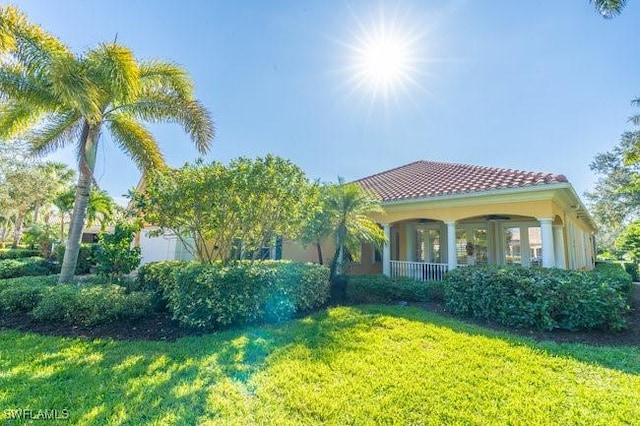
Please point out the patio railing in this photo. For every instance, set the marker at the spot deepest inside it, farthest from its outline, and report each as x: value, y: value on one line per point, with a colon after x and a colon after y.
x: 421, y: 271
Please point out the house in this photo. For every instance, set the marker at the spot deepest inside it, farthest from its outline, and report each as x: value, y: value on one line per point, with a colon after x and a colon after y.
x: 439, y: 216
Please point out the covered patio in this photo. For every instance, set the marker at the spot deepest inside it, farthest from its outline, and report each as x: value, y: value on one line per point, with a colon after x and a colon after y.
x: 426, y: 249
x: 440, y: 216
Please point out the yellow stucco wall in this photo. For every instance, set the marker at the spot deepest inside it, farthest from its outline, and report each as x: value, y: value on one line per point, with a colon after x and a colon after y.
x: 558, y: 204
x: 293, y: 250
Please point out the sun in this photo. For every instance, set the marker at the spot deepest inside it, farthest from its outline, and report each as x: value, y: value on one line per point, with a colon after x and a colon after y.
x: 384, y: 58
x: 383, y: 62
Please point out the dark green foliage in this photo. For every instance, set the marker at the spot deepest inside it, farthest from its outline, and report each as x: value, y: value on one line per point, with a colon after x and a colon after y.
x: 17, y: 253
x: 214, y: 296
x: 382, y: 289
x: 22, y: 294
x: 91, y: 305
x: 632, y: 269
x: 29, y: 266
x: 540, y: 298
x: 115, y: 255
x: 79, y: 304
x: 86, y: 257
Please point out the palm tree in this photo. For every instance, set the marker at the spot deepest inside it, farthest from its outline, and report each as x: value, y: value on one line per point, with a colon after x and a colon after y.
x: 99, y: 208
x: 609, y: 8
x: 51, y: 98
x: 350, y: 208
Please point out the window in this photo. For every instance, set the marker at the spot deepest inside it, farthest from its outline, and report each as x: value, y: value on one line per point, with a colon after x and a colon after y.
x: 264, y: 253
x: 535, y: 246
x: 522, y: 244
x: 512, y: 246
x: 428, y: 245
x: 472, y: 244
x: 377, y: 256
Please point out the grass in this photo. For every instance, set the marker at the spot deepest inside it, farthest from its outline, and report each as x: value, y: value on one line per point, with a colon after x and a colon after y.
x: 364, y: 365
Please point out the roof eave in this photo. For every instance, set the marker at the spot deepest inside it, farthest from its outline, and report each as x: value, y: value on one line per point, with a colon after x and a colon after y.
x: 475, y: 194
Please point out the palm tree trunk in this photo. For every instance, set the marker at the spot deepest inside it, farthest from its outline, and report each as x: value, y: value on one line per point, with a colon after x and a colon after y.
x: 17, y: 230
x: 36, y: 213
x: 319, y: 249
x: 85, y: 179
x: 61, y: 227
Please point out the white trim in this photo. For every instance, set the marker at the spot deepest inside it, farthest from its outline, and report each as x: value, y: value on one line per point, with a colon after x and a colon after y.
x: 386, y: 250
x: 452, y: 255
x: 548, y: 249
x: 558, y: 243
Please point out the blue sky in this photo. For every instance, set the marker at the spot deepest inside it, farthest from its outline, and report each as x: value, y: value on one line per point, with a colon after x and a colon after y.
x: 534, y: 85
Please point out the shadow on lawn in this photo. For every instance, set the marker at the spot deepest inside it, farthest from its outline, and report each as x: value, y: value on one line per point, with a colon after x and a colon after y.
x: 622, y: 358
x: 107, y: 381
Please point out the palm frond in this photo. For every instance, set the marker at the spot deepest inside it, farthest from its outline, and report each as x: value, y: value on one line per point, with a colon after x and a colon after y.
x: 609, y: 8
x: 28, y: 43
x: 190, y: 114
x: 136, y: 140
x: 15, y: 82
x: 16, y: 117
x: 100, y: 207
x: 158, y: 75
x: 74, y: 90
x: 635, y: 119
x: 58, y: 131
x: 114, y: 69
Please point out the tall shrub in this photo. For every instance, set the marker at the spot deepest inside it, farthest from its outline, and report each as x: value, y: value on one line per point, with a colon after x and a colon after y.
x: 115, y: 255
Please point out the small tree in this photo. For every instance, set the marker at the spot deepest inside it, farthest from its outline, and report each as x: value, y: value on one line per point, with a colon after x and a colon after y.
x: 40, y: 237
x: 349, y: 207
x: 211, y: 208
x: 116, y: 257
x: 629, y: 241
x: 318, y: 225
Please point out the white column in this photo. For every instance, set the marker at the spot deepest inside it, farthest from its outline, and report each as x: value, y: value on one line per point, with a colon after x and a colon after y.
x: 410, y: 232
x: 558, y: 243
x: 452, y: 257
x: 548, y: 253
x: 386, y: 251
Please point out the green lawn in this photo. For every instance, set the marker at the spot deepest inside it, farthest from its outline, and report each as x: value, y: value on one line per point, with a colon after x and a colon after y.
x: 364, y: 365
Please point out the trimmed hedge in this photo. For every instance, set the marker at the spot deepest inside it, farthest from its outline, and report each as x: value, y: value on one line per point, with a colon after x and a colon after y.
x: 17, y: 253
x: 30, y: 266
x: 86, y: 305
x: 382, y: 289
x: 91, y: 305
x: 540, y: 298
x: 215, y: 296
x: 632, y: 269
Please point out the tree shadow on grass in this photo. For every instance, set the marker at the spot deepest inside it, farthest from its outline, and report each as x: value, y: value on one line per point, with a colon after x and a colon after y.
x: 120, y: 382
x: 622, y: 358
x: 123, y: 382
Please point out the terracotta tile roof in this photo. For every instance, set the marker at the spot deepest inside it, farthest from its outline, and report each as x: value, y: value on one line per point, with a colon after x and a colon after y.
x: 423, y: 179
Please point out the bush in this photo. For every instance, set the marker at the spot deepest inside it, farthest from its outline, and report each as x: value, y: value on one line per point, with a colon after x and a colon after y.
x: 17, y: 253
x: 86, y: 257
x: 23, y: 294
x: 382, y: 289
x: 540, y: 298
x: 30, y: 266
x: 632, y: 269
x: 115, y: 256
x: 86, y: 305
x: 91, y: 305
x: 214, y: 296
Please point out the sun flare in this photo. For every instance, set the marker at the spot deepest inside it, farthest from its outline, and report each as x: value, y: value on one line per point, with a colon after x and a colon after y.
x: 385, y: 57
x: 384, y: 61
